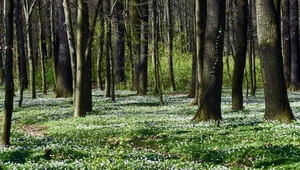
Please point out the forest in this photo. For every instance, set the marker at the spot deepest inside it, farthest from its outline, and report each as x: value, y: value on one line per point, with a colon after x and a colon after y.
x: 149, y: 84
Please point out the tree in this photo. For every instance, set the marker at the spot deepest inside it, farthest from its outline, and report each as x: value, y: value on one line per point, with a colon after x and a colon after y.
x: 70, y: 34
x: 119, y: 42
x: 142, y: 65
x: 20, y: 51
x: 294, y: 45
x: 79, y: 103
x: 101, y: 47
x: 9, y: 81
x: 27, y: 13
x: 155, y: 58
x: 42, y: 53
x: 63, y: 86
x: 211, y: 82
x: 286, y: 42
x: 169, y: 38
x: 240, y: 43
x: 268, y: 34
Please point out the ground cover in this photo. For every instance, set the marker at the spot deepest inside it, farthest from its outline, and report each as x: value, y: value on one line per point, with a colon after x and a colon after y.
x: 137, y: 133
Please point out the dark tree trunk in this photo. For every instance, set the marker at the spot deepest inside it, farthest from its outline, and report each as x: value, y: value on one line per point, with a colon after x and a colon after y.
x: 268, y: 31
x: 119, y: 42
x: 286, y: 42
x: 240, y: 43
x: 294, y: 41
x: 106, y: 10
x: 142, y: 66
x: 211, y: 82
x: 9, y: 81
x: 41, y: 51
x: 22, y: 68
x: 63, y: 87
x: 101, y: 47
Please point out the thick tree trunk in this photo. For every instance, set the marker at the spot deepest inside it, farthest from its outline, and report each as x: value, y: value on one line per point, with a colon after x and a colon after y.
x: 268, y: 32
x: 211, y: 82
x: 142, y: 66
x: 9, y: 81
x: 79, y: 103
x: 71, y: 42
x: 294, y: 41
x: 240, y: 40
x: 63, y: 87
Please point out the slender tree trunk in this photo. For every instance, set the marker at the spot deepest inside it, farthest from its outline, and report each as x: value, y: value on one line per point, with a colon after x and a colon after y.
x: 9, y: 83
x: 155, y: 50
x: 79, y: 103
x: 70, y: 34
x: 240, y: 25
x: 107, y: 46
x: 294, y: 41
x: 169, y: 36
x: 268, y: 32
x: 286, y: 42
x: 53, y: 46
x: 211, y: 82
x: 28, y: 12
x: 101, y: 45
x: 42, y: 54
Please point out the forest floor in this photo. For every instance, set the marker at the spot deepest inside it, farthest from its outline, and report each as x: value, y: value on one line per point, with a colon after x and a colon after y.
x: 136, y: 132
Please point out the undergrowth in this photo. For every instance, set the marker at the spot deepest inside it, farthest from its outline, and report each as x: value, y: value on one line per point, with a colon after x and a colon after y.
x: 137, y: 133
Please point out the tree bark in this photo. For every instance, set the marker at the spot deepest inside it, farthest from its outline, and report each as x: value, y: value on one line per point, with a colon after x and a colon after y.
x: 79, y: 103
x: 101, y: 47
x: 169, y: 37
x: 42, y: 54
x: 211, y: 82
x: 294, y: 45
x: 119, y: 42
x: 268, y: 34
x: 240, y: 43
x: 63, y: 86
x: 142, y: 66
x: 286, y: 42
x: 9, y: 83
x: 28, y: 12
x: 70, y: 34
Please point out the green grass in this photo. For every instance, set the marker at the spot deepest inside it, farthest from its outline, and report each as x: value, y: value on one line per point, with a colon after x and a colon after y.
x: 137, y: 133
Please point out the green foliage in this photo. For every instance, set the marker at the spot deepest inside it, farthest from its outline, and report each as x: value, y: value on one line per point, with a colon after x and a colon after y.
x: 49, y: 73
x: 137, y: 133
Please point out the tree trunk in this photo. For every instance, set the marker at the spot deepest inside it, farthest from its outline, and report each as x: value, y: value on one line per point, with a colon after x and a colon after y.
x: 268, y: 34
x: 42, y: 54
x: 240, y: 40
x: 106, y: 7
x: 169, y: 37
x: 142, y: 66
x: 155, y: 59
x: 53, y: 46
x: 211, y: 82
x: 119, y: 42
x: 9, y: 81
x: 101, y: 45
x: 70, y: 34
x: 79, y: 103
x: 294, y: 41
x: 63, y: 87
x: 286, y: 42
